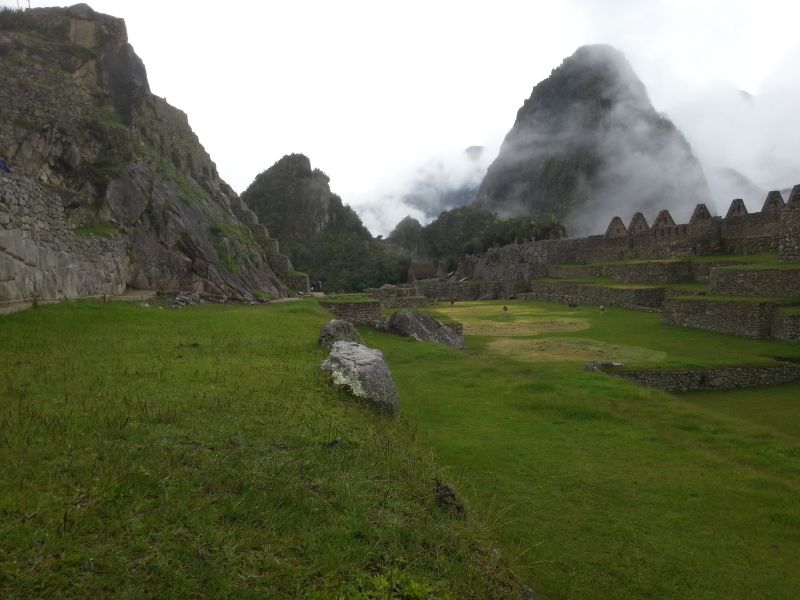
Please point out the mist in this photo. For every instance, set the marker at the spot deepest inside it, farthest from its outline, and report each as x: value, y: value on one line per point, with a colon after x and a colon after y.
x: 423, y: 190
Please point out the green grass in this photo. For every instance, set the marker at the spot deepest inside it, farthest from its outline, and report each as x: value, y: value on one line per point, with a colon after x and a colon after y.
x: 149, y: 452
x: 678, y: 347
x: 599, y: 488
x: 103, y: 229
x: 777, y: 407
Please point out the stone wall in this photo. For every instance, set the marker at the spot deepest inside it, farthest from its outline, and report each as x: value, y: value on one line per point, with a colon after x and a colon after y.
x: 576, y: 272
x: 650, y: 272
x: 724, y: 378
x: 789, y: 243
x: 740, y: 233
x: 42, y: 257
x: 464, y: 290
x: 749, y: 282
x: 358, y: 313
x: 738, y: 317
x: 634, y: 298
x: 786, y: 326
x: 299, y: 282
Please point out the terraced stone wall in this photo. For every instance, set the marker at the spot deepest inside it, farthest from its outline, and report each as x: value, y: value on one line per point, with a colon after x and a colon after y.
x: 745, y: 318
x: 749, y: 282
x: 634, y: 298
x: 786, y: 326
x: 465, y: 290
x: 650, y: 272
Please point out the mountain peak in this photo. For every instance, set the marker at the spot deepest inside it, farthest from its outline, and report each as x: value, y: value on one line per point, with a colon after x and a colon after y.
x: 588, y: 144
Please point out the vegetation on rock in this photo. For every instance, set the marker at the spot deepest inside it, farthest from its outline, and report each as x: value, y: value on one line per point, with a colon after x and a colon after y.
x: 323, y: 236
x: 467, y: 230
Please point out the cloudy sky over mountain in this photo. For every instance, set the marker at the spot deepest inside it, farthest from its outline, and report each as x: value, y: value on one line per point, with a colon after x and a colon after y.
x: 370, y: 90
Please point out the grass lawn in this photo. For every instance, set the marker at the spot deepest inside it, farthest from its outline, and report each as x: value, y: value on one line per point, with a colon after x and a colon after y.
x: 594, y: 486
x: 777, y: 406
x: 200, y: 453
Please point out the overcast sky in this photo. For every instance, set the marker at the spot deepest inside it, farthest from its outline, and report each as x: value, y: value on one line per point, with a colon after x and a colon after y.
x: 370, y: 89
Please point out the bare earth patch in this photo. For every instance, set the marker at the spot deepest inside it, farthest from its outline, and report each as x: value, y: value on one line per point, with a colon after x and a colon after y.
x: 572, y: 349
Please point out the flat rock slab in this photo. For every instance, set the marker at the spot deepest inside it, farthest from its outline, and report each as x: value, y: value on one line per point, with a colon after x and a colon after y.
x: 424, y: 328
x: 364, y: 373
x: 338, y: 330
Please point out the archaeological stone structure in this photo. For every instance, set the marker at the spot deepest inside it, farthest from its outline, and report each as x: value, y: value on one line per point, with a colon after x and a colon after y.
x: 651, y: 267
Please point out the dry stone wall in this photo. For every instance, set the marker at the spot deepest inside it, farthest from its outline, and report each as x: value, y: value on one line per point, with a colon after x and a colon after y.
x: 750, y: 282
x: 42, y: 257
x: 725, y: 378
x: 786, y: 326
x: 358, y: 313
x: 746, y: 318
x: 650, y: 272
x: 789, y: 243
x: 634, y: 298
x: 463, y: 290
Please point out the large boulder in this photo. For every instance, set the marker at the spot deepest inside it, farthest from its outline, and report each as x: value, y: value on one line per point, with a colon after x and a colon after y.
x: 424, y: 328
x: 337, y: 330
x: 364, y: 373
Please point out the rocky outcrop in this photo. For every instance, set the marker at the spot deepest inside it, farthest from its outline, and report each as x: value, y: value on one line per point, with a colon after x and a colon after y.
x: 337, y: 330
x: 424, y: 328
x: 109, y: 180
x: 363, y: 373
x: 588, y: 144
x: 324, y: 237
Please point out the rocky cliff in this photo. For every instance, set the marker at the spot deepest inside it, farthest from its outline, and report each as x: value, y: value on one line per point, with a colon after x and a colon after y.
x: 110, y: 187
x: 321, y: 234
x: 588, y: 145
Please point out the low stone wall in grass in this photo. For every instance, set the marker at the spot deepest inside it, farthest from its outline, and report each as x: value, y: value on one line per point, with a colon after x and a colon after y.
x: 723, y: 378
x: 635, y: 298
x: 392, y: 296
x: 751, y: 282
x: 747, y: 318
x: 358, y: 313
x: 786, y: 326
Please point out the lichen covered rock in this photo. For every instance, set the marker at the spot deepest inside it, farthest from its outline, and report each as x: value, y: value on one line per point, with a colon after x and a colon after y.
x: 424, y: 328
x: 364, y: 373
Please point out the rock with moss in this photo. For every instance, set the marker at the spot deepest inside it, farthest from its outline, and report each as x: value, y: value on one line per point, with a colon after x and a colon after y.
x: 338, y: 330
x: 364, y: 373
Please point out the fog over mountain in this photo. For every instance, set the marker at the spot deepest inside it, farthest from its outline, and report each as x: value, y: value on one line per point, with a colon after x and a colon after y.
x: 587, y: 146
